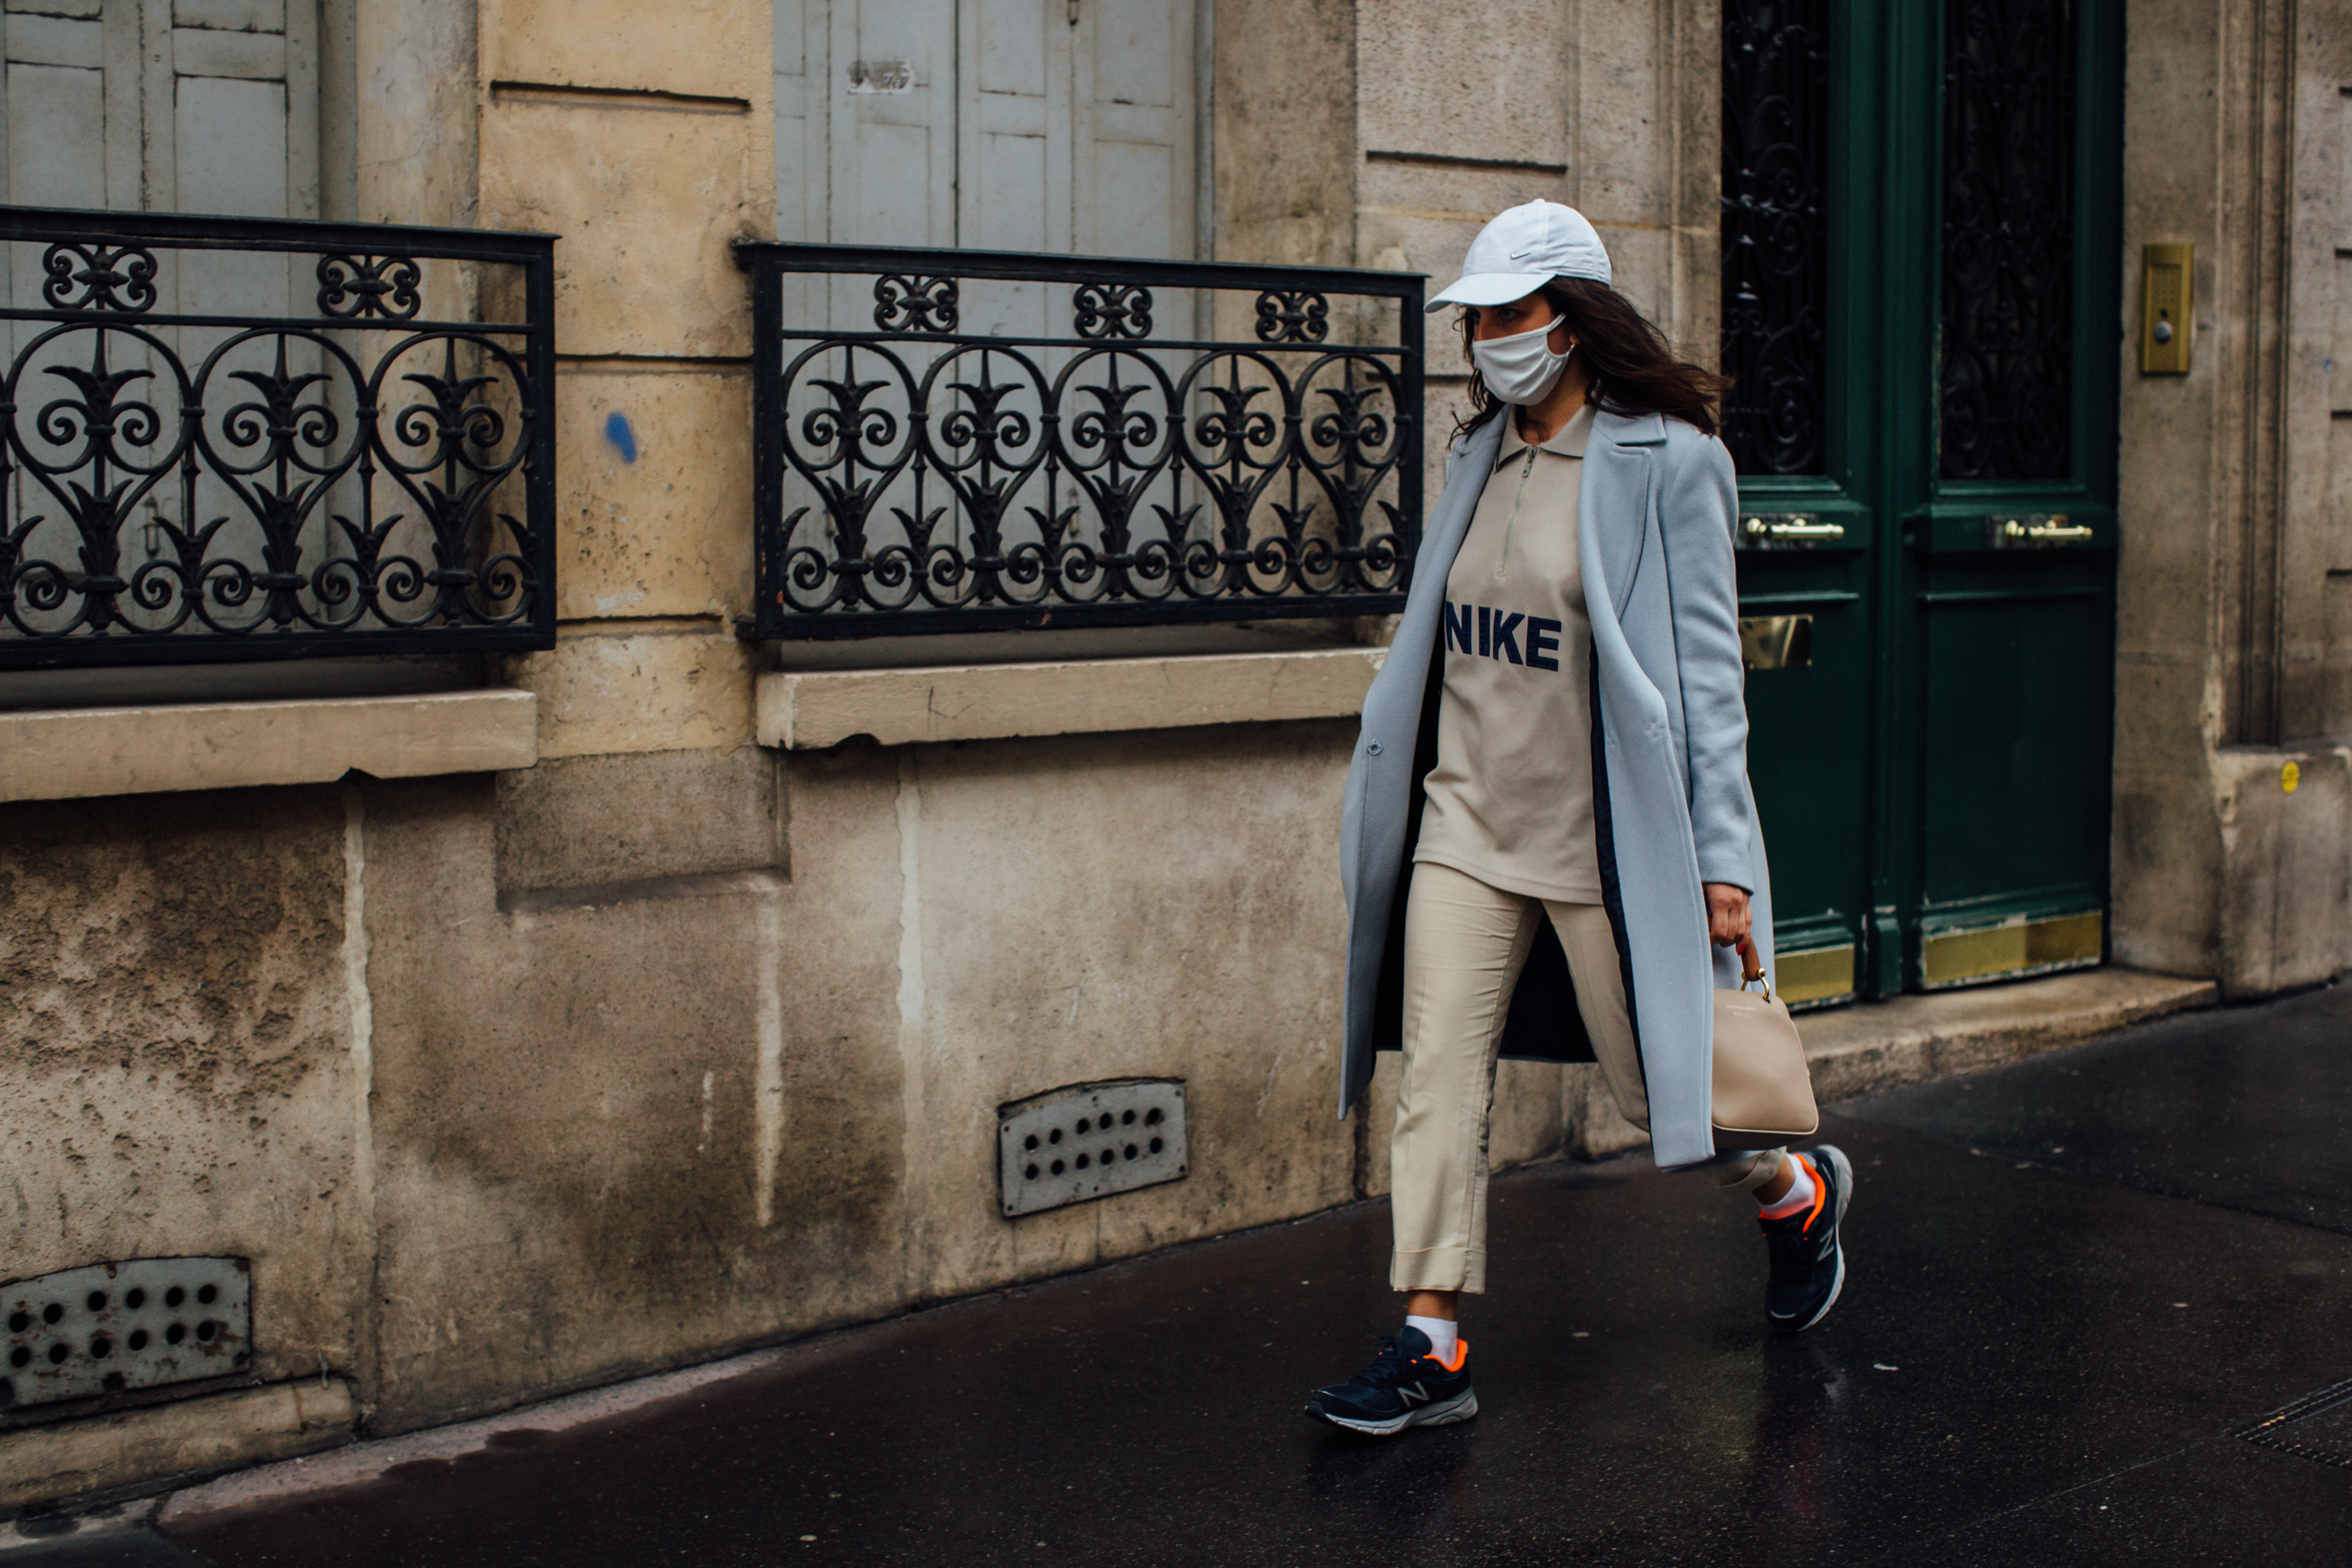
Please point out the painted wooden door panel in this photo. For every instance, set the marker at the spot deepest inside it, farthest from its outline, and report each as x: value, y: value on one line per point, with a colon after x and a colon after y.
x: 1932, y: 404
x: 2014, y: 789
x: 1810, y: 530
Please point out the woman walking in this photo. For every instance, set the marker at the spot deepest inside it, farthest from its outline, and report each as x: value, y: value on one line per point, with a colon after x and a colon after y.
x: 1547, y: 816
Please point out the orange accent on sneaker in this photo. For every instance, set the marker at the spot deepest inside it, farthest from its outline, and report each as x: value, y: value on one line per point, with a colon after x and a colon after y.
x: 1461, y: 1355
x: 1821, y: 1192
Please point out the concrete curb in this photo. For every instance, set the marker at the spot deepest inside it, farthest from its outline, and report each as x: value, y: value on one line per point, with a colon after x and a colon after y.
x: 1909, y: 1039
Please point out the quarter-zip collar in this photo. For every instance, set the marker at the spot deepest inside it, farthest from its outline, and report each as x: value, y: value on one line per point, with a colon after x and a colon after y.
x: 1516, y: 462
x: 1567, y: 441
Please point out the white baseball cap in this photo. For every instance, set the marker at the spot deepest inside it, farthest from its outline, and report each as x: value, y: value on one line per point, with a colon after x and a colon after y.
x: 1522, y: 249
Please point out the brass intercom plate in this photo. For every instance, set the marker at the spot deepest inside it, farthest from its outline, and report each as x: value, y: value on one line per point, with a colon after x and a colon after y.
x: 2163, y: 309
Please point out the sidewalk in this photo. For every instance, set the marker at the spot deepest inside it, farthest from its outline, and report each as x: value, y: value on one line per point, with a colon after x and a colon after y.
x: 2073, y: 1280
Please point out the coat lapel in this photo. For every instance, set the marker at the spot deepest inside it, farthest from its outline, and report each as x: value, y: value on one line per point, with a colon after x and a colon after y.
x: 1612, y: 501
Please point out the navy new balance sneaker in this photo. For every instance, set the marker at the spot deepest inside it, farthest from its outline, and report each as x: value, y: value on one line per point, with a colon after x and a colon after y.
x: 1404, y: 1387
x: 1808, y: 1259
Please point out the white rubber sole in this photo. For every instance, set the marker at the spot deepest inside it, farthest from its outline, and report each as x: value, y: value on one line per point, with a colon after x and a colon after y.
x: 1836, y: 1285
x: 1443, y: 1412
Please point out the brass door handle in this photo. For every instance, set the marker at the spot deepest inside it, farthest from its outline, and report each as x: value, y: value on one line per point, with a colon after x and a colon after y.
x: 1768, y: 529
x: 2053, y: 528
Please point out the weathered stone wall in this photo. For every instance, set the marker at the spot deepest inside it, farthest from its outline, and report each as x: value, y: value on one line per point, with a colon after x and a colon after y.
x: 174, y: 1071
x: 624, y: 1126
x: 2231, y: 517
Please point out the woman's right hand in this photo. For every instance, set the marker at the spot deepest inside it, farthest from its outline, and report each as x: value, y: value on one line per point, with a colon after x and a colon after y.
x: 1726, y: 914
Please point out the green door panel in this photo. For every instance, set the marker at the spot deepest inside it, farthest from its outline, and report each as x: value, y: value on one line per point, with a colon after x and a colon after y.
x: 1809, y: 753
x: 1935, y: 779
x: 2014, y: 770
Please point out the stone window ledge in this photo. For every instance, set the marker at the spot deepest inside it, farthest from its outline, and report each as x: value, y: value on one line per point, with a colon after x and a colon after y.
x: 807, y: 710
x: 76, y: 753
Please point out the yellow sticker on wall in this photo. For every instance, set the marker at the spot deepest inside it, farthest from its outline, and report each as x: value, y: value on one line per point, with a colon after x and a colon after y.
x: 2290, y: 777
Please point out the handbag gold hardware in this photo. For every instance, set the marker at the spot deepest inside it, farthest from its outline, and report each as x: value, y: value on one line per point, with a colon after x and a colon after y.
x: 1763, y: 1092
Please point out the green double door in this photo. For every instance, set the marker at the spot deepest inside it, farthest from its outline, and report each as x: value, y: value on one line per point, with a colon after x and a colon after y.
x: 1920, y: 310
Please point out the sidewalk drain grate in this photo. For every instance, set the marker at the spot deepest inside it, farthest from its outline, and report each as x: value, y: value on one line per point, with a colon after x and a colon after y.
x: 2317, y: 1427
x: 1089, y: 1140
x: 104, y: 1328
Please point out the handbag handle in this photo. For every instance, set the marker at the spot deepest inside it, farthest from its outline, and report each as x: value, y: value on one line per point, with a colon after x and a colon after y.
x: 1751, y: 968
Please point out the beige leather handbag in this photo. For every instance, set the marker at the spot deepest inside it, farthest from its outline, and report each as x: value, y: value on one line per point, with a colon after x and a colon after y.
x: 1763, y: 1094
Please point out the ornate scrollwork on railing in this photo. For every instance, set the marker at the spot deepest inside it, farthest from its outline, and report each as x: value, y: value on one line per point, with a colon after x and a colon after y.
x: 1293, y: 316
x: 1775, y: 233
x: 382, y: 286
x: 915, y: 304
x: 207, y: 481
x: 1027, y: 479
x: 99, y: 277
x: 1110, y: 311
x: 2009, y: 240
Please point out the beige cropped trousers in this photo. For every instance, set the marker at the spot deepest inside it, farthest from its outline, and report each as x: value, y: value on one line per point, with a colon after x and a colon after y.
x: 1464, y: 944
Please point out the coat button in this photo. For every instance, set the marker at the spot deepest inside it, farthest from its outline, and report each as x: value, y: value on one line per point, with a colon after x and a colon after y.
x: 1371, y: 748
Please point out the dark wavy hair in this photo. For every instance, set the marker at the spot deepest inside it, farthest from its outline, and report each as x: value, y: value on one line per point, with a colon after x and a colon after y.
x: 1633, y: 366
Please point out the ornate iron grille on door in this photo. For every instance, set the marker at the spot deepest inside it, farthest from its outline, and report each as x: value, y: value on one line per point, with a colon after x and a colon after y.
x: 1775, y: 232
x: 923, y: 476
x: 224, y: 438
x: 2009, y: 239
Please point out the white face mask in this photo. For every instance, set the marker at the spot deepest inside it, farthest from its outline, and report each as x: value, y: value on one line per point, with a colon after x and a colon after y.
x: 1521, y: 368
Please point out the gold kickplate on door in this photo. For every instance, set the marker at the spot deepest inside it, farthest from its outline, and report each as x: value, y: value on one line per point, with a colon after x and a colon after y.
x: 2018, y: 947
x: 1816, y: 975
x: 1776, y: 642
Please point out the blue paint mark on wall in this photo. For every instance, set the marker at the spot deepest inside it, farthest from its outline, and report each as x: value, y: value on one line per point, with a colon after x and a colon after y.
x: 623, y: 439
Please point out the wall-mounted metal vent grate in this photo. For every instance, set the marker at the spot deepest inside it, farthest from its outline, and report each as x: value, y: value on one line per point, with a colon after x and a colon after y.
x: 1089, y: 1140
x: 107, y: 1327
x: 2318, y: 1428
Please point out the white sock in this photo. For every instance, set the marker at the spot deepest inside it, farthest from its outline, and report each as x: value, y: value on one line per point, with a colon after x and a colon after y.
x: 1443, y: 1334
x: 1799, y: 1196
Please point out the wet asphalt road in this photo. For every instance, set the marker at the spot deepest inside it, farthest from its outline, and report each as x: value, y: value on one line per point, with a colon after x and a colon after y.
x: 2071, y: 1282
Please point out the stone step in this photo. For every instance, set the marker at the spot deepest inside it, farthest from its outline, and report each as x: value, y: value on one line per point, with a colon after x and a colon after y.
x: 1904, y: 1039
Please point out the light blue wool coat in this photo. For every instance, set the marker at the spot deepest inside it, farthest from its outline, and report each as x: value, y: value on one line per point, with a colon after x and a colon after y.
x: 1655, y: 511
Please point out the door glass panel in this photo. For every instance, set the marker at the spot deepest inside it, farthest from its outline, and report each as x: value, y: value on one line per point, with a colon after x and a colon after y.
x: 1775, y: 232
x: 2009, y: 240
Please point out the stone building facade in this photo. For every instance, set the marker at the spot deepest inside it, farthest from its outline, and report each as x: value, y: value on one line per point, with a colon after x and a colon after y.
x: 533, y: 1021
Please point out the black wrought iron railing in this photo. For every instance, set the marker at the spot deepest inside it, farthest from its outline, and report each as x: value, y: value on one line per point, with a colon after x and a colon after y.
x: 976, y: 440
x: 228, y: 438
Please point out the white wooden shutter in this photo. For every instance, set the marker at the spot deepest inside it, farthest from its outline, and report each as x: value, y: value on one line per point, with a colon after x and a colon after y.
x: 207, y: 106
x: 893, y: 156
x: 1133, y: 101
x: 58, y: 109
x: 1036, y: 125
